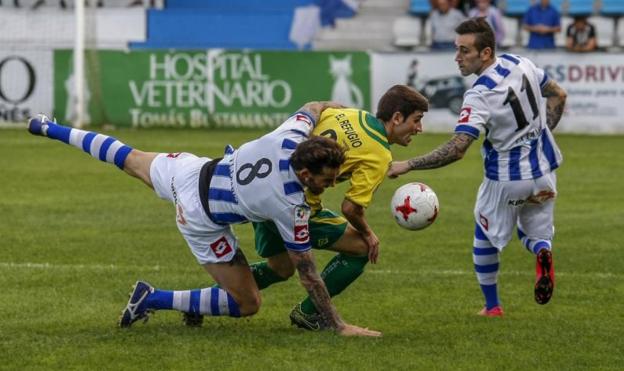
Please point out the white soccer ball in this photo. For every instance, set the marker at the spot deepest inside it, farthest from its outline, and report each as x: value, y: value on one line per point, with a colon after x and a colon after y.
x: 415, y: 206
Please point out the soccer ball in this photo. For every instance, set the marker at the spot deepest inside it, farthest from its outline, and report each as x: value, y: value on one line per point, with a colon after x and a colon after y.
x: 414, y: 206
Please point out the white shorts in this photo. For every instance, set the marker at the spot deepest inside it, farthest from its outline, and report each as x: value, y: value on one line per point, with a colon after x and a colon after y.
x: 175, y: 177
x: 529, y: 204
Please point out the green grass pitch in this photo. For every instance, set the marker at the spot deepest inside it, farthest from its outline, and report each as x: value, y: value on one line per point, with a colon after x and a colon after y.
x: 76, y: 233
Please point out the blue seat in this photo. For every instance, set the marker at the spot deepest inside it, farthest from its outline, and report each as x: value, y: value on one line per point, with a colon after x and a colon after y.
x: 615, y: 10
x: 236, y: 5
x: 516, y: 8
x: 557, y: 4
x: 189, y: 29
x: 612, y: 8
x: 420, y: 8
x: 580, y: 7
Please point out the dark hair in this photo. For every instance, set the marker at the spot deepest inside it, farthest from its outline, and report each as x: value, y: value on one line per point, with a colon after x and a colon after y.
x: 484, y: 36
x: 401, y: 98
x: 316, y: 153
x: 580, y: 17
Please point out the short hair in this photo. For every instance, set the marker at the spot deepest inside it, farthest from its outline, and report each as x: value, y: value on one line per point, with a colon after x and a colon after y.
x: 401, y: 98
x: 316, y: 153
x: 484, y: 36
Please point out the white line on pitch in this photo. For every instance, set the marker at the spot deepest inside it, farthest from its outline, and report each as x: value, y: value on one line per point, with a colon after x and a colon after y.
x: 158, y: 268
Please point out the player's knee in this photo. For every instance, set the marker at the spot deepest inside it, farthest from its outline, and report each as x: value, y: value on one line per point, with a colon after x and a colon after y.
x: 250, y: 305
x: 359, y: 247
x: 281, y: 265
x: 285, y: 271
x: 137, y: 164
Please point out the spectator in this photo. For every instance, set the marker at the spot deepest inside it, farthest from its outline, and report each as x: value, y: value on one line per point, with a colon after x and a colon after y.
x: 543, y: 21
x: 444, y: 19
x: 493, y: 16
x: 15, y: 3
x: 581, y: 36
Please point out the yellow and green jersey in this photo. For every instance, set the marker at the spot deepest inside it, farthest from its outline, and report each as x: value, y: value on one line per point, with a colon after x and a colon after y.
x: 368, y: 152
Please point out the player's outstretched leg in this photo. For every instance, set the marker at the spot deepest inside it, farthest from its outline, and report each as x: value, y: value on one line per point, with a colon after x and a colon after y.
x: 544, y: 267
x: 136, y: 309
x: 486, y: 261
x: 144, y: 299
x: 102, y: 147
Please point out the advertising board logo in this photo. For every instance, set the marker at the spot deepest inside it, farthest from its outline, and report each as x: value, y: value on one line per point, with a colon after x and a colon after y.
x: 11, y: 65
x: 344, y: 90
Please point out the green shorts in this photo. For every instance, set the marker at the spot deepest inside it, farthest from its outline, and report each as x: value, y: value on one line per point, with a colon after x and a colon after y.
x: 326, y: 227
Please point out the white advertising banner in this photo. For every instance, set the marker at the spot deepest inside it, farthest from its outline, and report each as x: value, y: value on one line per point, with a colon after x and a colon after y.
x: 594, y: 82
x: 25, y: 85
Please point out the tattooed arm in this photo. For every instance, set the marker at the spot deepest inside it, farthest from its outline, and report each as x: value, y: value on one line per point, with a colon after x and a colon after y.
x: 314, y: 285
x: 315, y: 108
x: 555, y: 102
x: 449, y: 152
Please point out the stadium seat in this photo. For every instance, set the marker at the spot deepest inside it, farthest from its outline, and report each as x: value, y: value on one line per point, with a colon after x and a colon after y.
x: 559, y: 5
x: 604, y: 30
x: 190, y: 29
x: 613, y: 9
x: 237, y: 5
x: 420, y: 8
x: 516, y: 9
x: 560, y: 37
x: 406, y: 31
x: 580, y: 7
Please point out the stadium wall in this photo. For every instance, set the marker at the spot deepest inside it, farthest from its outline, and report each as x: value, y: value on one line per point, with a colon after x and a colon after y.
x: 226, y: 88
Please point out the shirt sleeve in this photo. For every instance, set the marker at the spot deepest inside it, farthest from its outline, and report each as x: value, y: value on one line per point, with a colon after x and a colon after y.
x: 301, y: 123
x: 294, y: 228
x: 473, y: 115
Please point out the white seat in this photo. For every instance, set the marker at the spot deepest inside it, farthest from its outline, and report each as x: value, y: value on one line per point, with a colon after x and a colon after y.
x: 604, y: 30
x: 560, y: 37
x: 406, y: 31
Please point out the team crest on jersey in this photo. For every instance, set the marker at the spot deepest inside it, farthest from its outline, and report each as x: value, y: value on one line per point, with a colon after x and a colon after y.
x: 302, y: 215
x: 464, y: 115
x: 221, y: 247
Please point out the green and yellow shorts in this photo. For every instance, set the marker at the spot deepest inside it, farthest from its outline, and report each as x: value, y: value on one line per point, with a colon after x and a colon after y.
x: 326, y: 227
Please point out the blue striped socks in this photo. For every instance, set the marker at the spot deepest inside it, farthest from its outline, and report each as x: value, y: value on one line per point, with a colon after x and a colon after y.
x: 100, y: 146
x: 485, y: 258
x: 533, y: 246
x: 212, y: 301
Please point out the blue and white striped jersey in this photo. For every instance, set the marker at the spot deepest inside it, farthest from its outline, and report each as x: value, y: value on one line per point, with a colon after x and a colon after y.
x: 256, y: 183
x: 505, y: 102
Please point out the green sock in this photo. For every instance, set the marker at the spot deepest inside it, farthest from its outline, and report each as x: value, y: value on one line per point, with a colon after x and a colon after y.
x: 264, y: 275
x: 339, y: 273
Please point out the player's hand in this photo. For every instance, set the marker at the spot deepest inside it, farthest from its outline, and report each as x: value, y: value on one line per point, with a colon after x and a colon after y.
x: 352, y: 330
x: 373, y: 246
x: 398, y: 168
x: 332, y: 104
